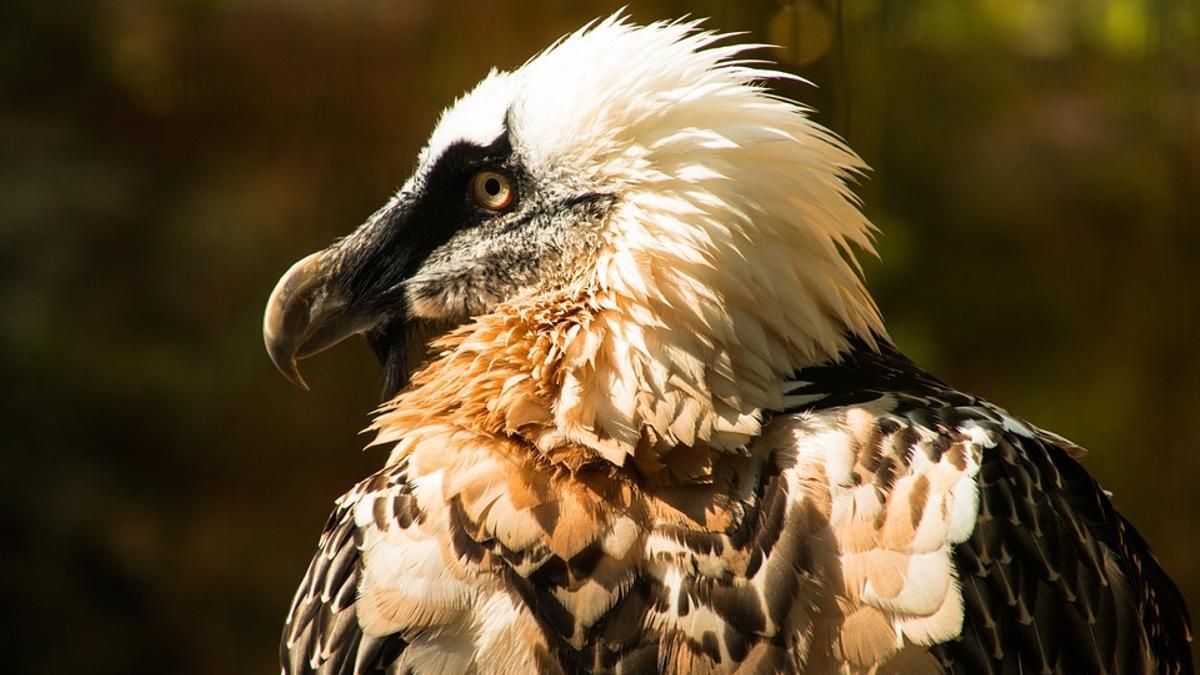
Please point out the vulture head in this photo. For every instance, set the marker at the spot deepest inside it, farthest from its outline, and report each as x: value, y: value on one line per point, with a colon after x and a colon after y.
x: 644, y: 173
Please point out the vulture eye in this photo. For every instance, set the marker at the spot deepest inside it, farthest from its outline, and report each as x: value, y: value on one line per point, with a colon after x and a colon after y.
x: 492, y: 190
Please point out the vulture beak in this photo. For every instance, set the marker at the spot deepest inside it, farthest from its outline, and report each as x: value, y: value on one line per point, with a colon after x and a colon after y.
x: 308, y: 313
x: 354, y: 287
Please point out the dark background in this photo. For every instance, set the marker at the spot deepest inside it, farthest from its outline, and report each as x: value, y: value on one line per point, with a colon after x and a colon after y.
x: 1037, y: 165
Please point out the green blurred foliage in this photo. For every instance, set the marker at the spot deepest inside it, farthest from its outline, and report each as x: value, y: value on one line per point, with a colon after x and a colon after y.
x: 1037, y: 166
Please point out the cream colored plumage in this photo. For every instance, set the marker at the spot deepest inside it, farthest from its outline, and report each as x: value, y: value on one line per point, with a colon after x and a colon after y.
x: 667, y: 430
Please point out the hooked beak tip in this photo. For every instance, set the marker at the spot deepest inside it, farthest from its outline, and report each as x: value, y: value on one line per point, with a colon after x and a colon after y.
x: 287, y: 321
x: 285, y: 361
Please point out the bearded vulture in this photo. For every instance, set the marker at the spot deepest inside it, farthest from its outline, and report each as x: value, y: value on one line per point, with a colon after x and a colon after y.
x: 654, y: 422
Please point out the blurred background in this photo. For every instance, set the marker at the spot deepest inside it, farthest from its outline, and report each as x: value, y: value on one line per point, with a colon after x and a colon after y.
x: 1037, y: 171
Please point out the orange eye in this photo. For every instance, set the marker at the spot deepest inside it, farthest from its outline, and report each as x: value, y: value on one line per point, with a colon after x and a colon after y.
x: 492, y: 190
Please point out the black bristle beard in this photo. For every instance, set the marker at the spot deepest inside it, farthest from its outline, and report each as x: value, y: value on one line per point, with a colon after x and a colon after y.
x: 390, y: 344
x: 402, y: 346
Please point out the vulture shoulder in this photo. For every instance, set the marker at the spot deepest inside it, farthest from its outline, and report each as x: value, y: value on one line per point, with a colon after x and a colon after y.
x: 322, y: 634
x: 1047, y: 577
